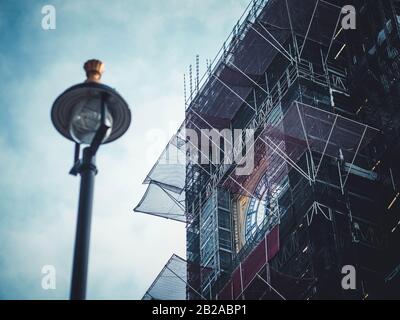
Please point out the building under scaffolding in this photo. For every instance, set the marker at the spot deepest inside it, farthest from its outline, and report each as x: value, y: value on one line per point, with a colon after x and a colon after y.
x: 323, y: 103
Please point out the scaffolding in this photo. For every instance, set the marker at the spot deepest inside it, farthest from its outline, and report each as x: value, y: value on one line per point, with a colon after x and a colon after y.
x: 310, y: 202
x: 171, y: 282
x: 228, y: 71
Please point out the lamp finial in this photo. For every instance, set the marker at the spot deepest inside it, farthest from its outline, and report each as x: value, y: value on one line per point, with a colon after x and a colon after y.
x: 94, y: 70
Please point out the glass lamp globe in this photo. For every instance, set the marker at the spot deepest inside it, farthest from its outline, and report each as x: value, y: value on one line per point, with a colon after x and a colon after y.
x: 76, y: 113
x: 86, y: 120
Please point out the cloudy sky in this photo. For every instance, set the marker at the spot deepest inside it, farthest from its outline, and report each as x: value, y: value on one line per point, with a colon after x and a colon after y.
x: 147, y: 46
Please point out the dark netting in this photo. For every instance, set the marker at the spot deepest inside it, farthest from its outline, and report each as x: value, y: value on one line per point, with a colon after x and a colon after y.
x: 304, y: 129
x: 268, y: 165
x: 266, y: 29
x: 262, y: 271
x: 251, y: 266
x: 222, y: 89
x: 315, y: 19
x: 271, y: 284
x: 327, y: 134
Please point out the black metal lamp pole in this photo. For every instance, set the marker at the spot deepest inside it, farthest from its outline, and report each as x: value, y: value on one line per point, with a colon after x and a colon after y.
x: 87, y: 171
x: 89, y: 113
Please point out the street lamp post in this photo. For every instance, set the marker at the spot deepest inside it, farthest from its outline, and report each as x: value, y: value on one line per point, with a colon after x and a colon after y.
x: 90, y: 114
x: 87, y: 170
